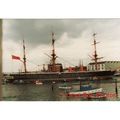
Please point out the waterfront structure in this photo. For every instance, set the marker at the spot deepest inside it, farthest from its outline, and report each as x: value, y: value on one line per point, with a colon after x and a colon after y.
x: 104, y: 65
x: 58, y: 67
x: 101, y: 65
x: 76, y: 68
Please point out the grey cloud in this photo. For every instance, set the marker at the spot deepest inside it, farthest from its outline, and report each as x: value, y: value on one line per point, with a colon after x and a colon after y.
x: 38, y: 31
x: 35, y: 31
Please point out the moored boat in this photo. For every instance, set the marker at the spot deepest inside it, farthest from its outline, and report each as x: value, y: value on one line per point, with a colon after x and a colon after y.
x: 65, y: 87
x: 37, y: 82
x: 98, y: 95
x: 85, y: 91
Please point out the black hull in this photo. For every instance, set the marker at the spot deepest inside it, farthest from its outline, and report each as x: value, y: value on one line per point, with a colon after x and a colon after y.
x: 60, y: 75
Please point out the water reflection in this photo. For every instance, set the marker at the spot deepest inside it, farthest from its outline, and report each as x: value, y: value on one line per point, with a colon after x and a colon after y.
x: 51, y: 91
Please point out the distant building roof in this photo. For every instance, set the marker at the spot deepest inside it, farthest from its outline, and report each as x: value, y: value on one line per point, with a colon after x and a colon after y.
x: 101, y: 62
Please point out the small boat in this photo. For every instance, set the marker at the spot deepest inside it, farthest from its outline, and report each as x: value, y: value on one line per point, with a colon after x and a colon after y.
x: 85, y: 91
x: 53, y: 82
x: 117, y: 74
x: 18, y: 82
x: 37, y: 82
x: 65, y: 87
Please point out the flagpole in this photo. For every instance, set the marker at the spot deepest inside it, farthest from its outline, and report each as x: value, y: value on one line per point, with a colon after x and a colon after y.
x: 24, y: 57
x: 0, y: 59
x: 12, y: 66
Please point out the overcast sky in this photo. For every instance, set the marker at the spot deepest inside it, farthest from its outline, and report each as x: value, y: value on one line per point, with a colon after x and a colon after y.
x: 73, y: 41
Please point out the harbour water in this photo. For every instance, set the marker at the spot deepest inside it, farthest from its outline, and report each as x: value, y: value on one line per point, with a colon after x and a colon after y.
x: 51, y: 92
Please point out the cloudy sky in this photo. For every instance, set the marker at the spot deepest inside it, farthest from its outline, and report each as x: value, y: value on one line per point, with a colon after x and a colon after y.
x: 73, y: 41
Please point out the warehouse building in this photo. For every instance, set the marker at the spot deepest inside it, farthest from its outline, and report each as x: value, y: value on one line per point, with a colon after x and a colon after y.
x: 105, y: 65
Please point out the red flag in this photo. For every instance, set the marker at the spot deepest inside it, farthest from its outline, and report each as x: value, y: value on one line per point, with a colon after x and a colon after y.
x: 15, y: 57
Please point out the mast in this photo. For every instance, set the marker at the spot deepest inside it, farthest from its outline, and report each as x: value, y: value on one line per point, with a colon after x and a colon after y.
x: 95, y: 56
x: 53, y: 55
x: 81, y: 65
x: 24, y: 57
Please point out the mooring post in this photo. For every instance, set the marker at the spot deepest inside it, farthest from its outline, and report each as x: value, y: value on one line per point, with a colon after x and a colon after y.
x: 80, y: 84
x: 52, y: 86
x: 0, y: 59
x: 116, y: 89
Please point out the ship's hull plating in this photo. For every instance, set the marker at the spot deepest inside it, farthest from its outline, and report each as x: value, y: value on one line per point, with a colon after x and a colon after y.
x: 59, y: 75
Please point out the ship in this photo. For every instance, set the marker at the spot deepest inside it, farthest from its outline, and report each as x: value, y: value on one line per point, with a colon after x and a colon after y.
x: 55, y: 71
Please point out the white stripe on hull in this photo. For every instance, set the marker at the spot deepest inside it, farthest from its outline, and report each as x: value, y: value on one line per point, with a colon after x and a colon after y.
x: 65, y: 87
x: 86, y: 92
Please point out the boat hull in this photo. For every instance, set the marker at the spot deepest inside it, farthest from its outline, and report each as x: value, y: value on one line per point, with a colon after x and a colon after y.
x: 65, y: 88
x: 55, y: 76
x: 87, y: 92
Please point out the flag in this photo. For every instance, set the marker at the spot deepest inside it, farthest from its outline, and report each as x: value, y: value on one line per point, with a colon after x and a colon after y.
x: 15, y: 57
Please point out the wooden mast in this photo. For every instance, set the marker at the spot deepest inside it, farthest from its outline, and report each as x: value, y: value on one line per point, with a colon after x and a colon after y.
x: 95, y: 52
x: 53, y: 58
x: 24, y: 57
